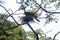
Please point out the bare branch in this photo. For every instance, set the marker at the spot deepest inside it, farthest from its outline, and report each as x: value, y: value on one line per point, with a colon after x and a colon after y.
x: 46, y: 10
x: 9, y: 14
x: 56, y: 35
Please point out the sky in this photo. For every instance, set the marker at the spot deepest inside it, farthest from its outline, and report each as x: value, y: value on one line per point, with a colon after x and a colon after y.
x: 55, y: 27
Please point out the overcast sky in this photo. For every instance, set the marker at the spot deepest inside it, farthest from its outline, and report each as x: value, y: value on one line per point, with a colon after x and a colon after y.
x: 55, y: 27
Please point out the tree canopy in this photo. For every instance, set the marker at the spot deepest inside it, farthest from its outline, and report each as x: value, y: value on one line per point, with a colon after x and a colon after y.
x: 10, y: 29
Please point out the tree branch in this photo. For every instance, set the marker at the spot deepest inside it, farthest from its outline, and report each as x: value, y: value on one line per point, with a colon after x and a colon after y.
x: 46, y: 10
x: 56, y: 35
x: 37, y: 38
x: 15, y: 26
x: 9, y: 14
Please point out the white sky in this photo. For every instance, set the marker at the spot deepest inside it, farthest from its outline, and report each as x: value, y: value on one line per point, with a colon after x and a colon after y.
x: 55, y: 27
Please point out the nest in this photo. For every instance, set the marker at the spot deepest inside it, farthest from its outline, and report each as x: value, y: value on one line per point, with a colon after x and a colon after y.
x: 29, y: 17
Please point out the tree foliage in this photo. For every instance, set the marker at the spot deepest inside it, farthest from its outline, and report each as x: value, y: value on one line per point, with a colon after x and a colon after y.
x: 10, y: 34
